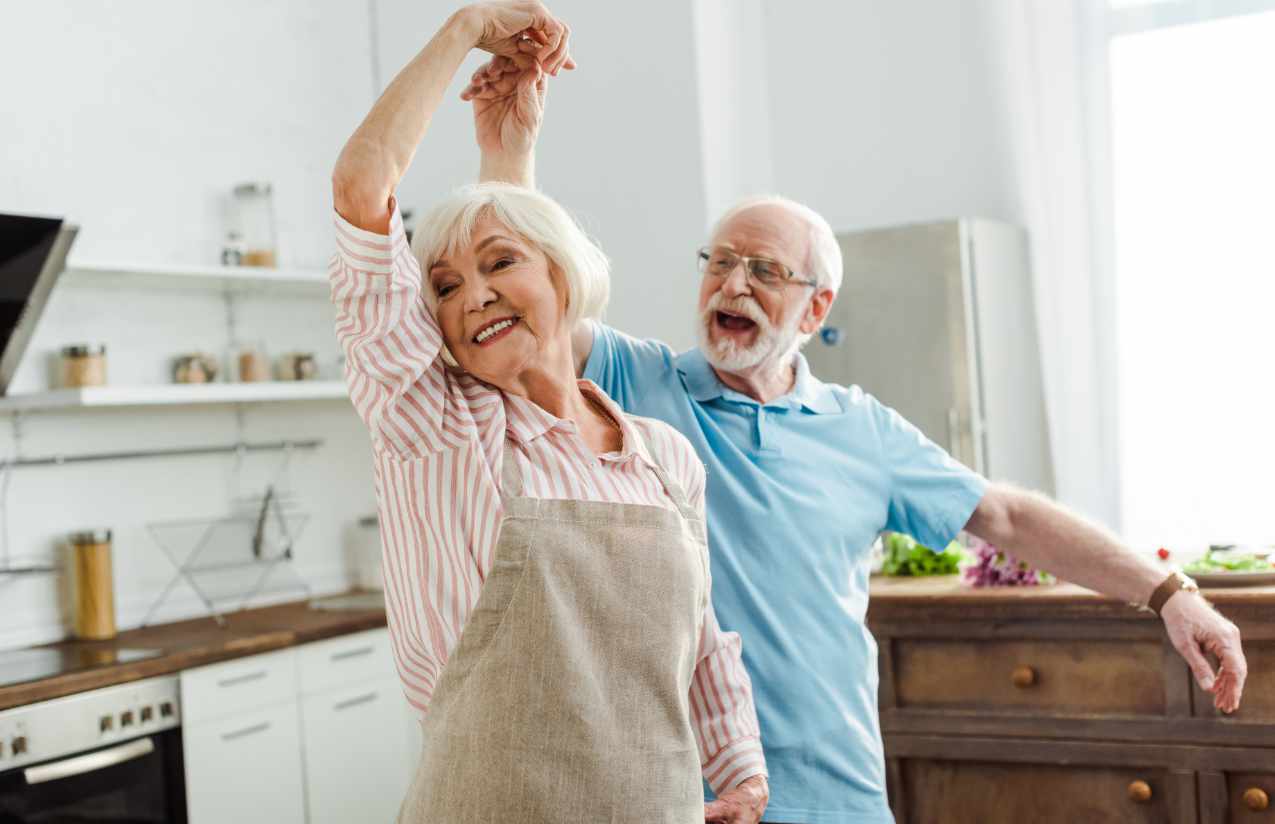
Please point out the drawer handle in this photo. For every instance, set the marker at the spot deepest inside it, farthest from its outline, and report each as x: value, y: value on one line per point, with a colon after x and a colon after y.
x: 1256, y: 799
x: 351, y: 653
x: 246, y: 731
x: 1140, y: 792
x: 354, y: 702
x: 1024, y: 677
x: 242, y: 679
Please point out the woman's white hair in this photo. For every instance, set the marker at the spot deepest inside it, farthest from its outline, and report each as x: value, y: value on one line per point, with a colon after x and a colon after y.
x: 823, y: 256
x: 536, y: 218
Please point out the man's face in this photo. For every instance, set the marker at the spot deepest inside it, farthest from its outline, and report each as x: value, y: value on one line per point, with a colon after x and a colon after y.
x: 742, y: 324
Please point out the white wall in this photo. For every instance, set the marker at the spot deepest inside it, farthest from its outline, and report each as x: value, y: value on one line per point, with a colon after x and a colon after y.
x: 620, y: 146
x: 886, y: 113
x: 138, y: 119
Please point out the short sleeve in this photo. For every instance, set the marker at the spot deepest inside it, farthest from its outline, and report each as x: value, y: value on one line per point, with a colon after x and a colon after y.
x: 932, y: 495
x: 625, y: 367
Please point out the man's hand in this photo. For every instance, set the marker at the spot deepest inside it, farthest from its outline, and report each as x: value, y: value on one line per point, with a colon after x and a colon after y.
x: 743, y: 804
x: 520, y: 28
x: 1196, y: 628
x: 509, y: 104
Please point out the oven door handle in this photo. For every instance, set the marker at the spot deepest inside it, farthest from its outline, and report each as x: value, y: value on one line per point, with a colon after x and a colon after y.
x: 81, y: 764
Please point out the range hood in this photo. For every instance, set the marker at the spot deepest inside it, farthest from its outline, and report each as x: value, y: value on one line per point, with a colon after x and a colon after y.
x: 33, y: 254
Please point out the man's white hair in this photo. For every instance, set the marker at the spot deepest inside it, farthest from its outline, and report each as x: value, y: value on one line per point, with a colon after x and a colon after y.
x: 536, y: 218
x: 823, y: 254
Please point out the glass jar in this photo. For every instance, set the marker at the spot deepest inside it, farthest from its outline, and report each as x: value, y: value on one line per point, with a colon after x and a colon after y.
x: 254, y: 219
x: 82, y: 365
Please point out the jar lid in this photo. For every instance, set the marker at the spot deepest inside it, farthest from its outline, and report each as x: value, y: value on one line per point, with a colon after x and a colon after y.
x: 255, y: 188
x: 83, y: 350
x: 90, y: 536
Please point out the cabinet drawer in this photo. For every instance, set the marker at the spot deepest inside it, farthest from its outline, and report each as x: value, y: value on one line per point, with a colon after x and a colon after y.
x: 1063, y: 677
x: 245, y: 769
x: 939, y: 792
x: 349, y: 659
x: 1250, y: 797
x: 357, y: 757
x: 219, y: 690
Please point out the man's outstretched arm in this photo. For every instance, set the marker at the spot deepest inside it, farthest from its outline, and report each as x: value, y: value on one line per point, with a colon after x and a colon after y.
x: 1047, y: 536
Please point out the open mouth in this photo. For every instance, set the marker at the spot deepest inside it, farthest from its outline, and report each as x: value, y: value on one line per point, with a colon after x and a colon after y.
x: 734, y: 323
x: 495, y: 330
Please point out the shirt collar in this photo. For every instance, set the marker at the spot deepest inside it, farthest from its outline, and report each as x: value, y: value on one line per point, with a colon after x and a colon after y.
x: 808, y: 392
x: 525, y: 421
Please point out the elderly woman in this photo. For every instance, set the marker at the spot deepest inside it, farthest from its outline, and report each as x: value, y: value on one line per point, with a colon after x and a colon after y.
x: 546, y: 571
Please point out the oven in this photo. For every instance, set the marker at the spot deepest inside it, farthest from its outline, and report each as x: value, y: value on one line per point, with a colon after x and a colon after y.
x: 108, y: 755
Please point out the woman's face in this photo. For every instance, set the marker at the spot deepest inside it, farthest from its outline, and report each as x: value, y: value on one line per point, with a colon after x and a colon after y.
x: 501, y: 306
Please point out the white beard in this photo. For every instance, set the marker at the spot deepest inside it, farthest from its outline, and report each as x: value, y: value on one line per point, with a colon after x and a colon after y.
x: 775, y: 346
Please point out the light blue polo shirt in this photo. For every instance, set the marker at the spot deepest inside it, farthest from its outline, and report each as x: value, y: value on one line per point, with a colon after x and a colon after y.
x: 798, y: 490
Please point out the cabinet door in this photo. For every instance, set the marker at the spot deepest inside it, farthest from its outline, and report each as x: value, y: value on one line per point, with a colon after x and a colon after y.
x: 356, y: 753
x: 939, y: 791
x: 245, y: 769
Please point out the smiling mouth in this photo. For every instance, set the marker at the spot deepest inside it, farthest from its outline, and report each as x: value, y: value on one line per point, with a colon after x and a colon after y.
x: 495, y: 330
x: 734, y: 323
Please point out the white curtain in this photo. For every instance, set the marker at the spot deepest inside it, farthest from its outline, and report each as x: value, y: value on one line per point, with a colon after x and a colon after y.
x: 1050, y: 62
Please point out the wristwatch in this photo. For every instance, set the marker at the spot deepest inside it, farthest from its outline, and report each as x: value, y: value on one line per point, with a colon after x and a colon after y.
x: 1176, y: 582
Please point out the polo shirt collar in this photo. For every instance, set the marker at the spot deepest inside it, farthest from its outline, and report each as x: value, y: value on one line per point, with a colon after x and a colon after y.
x: 808, y: 392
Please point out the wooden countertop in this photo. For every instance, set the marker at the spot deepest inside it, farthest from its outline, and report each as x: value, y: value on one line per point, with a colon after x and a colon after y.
x: 894, y: 596
x: 193, y: 643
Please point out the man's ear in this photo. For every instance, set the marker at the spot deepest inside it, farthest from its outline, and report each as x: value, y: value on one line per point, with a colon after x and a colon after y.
x: 816, y: 311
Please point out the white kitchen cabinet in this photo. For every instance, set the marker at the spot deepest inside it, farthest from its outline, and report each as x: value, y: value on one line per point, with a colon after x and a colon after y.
x: 319, y: 733
x: 356, y: 753
x: 246, y: 769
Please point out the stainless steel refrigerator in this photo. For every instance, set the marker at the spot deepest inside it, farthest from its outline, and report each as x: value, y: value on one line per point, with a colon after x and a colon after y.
x: 937, y: 321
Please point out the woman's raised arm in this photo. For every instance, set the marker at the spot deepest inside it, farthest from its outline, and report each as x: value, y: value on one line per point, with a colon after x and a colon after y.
x: 378, y: 153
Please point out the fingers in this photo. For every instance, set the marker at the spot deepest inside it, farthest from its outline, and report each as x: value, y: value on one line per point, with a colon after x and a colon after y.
x: 1199, y: 665
x: 1233, y: 671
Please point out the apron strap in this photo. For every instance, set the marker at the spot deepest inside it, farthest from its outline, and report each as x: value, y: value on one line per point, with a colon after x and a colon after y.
x: 672, y: 487
x: 510, y: 476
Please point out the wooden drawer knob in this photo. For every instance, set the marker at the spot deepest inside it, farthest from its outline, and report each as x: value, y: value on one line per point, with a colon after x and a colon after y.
x: 1255, y: 799
x: 1140, y: 792
x: 1024, y: 677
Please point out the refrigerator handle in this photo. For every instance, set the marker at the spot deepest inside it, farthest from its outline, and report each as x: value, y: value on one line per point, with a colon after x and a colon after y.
x: 953, y: 432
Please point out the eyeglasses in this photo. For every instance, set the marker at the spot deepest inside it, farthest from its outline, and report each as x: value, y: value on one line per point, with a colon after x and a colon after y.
x: 719, y: 262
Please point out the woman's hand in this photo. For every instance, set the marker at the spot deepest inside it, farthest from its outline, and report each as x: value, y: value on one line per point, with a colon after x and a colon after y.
x: 742, y: 804
x: 520, y: 29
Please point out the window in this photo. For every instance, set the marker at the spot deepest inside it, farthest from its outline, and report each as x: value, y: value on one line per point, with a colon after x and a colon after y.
x: 1193, y: 178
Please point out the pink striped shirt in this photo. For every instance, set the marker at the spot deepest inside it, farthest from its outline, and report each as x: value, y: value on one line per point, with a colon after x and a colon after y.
x: 439, y: 439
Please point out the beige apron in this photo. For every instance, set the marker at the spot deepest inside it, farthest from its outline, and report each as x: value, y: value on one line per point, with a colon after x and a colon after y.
x: 566, y: 698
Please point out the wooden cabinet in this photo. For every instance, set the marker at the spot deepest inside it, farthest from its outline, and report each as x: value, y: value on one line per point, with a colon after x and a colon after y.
x: 1057, y: 705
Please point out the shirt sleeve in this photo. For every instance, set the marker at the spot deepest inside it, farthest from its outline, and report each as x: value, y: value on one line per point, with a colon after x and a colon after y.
x: 932, y: 495
x: 397, y: 380
x: 723, y: 715
x: 625, y: 367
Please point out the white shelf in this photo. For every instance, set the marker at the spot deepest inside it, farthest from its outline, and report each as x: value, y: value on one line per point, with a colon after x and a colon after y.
x: 182, y: 276
x: 175, y: 395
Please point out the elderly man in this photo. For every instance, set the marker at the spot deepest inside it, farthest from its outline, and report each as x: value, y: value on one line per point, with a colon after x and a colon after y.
x: 803, y: 476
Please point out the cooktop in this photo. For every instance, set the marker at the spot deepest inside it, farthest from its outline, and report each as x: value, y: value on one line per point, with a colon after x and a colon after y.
x: 34, y: 663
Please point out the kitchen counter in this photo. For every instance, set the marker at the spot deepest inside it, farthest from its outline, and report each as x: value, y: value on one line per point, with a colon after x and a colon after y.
x: 901, y: 595
x: 1058, y: 704
x: 191, y: 643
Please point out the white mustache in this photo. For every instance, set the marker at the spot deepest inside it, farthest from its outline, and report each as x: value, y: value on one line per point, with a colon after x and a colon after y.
x: 737, y: 306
